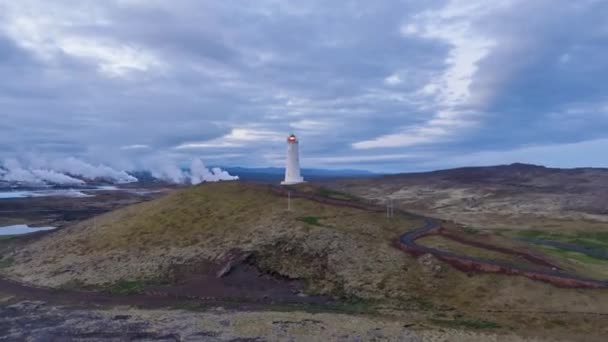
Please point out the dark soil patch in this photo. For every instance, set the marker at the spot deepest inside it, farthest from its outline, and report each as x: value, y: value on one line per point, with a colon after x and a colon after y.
x: 244, y: 281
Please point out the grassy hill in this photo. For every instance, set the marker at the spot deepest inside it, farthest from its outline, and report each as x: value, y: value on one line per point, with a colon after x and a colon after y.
x: 335, y: 250
x: 342, y: 252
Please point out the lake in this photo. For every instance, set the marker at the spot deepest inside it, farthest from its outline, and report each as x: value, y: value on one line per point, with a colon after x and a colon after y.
x: 21, y: 229
x: 53, y: 192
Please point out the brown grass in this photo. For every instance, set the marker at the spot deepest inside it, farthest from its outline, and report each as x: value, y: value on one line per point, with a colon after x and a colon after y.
x: 342, y: 255
x: 349, y: 254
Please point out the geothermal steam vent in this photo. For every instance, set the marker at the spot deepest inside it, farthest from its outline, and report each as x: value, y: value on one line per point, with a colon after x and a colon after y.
x: 292, y: 169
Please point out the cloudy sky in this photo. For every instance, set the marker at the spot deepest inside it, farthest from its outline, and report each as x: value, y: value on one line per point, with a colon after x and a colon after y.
x: 379, y: 85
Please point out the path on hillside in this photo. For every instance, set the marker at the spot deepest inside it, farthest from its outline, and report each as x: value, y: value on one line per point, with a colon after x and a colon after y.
x: 407, y: 241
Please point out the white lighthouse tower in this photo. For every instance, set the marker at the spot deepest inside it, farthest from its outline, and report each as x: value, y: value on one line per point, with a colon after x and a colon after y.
x: 292, y: 169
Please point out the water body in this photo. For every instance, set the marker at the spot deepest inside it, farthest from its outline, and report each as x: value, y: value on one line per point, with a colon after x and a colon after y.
x: 54, y: 192
x: 21, y: 229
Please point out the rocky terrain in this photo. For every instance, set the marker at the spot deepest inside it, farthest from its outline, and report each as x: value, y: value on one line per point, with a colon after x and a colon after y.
x: 509, y: 196
x: 52, y: 323
x: 64, y: 210
x: 238, y: 243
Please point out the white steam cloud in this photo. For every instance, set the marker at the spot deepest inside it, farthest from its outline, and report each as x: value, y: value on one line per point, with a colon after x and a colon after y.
x: 68, y: 171
x: 53, y: 177
x: 75, y: 172
x: 12, y: 171
x: 77, y: 167
x: 198, y: 173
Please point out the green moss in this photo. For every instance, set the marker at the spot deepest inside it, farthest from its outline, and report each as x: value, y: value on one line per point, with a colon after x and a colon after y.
x: 325, y: 192
x: 470, y: 230
x: 581, y: 257
x: 313, y: 220
x: 126, y: 287
x: 594, y: 239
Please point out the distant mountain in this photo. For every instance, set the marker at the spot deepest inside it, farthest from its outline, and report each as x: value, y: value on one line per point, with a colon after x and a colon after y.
x: 493, y: 195
x: 517, y: 174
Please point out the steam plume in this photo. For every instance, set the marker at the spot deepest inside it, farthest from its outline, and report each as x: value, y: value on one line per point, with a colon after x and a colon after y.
x: 77, y: 167
x: 198, y: 173
x: 75, y: 172
x: 12, y: 171
x: 70, y: 171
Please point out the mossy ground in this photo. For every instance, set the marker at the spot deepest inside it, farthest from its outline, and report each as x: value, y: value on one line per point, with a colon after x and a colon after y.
x: 582, y: 264
x: 6, y: 262
x: 337, y: 251
x: 590, y: 239
x: 342, y: 252
x: 313, y: 220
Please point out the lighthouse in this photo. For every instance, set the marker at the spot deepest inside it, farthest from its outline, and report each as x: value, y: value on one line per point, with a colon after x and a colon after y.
x: 292, y: 169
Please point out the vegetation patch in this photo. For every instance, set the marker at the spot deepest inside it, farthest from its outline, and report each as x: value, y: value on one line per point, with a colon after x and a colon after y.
x: 6, y: 262
x: 420, y: 303
x: 594, y: 239
x: 325, y: 192
x: 580, y: 263
x: 356, y: 306
x: 581, y: 257
x: 126, y: 287
x: 130, y: 287
x: 470, y: 230
x: 313, y: 220
x: 466, y: 323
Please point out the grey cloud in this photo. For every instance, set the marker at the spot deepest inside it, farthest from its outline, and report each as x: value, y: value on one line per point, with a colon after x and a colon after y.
x: 269, y: 64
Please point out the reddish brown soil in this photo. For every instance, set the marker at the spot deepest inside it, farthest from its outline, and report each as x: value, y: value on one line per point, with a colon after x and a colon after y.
x: 471, y: 264
x: 244, y: 286
x: 242, y: 282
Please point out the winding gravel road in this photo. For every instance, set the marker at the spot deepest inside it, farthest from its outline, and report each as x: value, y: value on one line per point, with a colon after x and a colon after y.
x: 408, y: 240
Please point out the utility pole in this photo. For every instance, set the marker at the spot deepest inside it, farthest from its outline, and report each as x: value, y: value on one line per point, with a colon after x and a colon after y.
x: 390, y: 208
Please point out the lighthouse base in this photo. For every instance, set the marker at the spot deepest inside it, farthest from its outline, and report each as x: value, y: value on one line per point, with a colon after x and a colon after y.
x: 292, y: 181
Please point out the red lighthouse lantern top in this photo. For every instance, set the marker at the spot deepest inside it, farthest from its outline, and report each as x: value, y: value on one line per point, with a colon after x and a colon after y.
x: 292, y: 138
